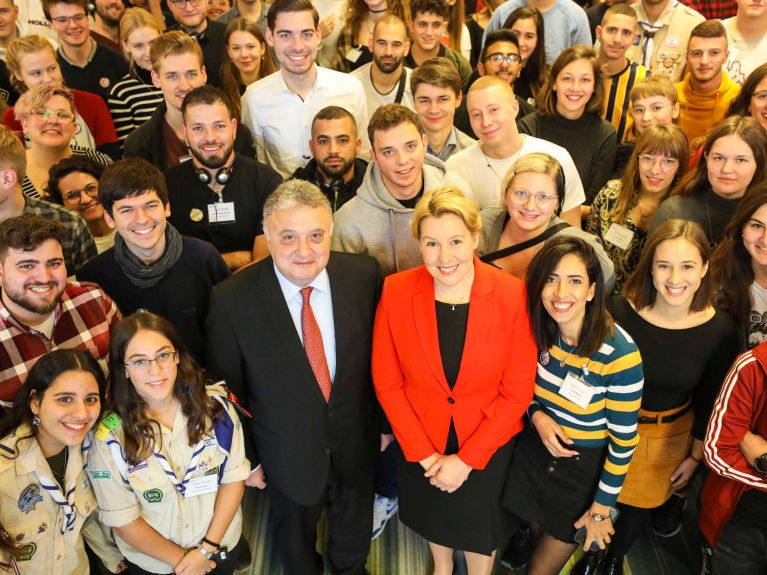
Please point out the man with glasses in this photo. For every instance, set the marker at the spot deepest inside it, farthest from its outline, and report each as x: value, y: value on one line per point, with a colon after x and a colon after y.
x: 191, y: 16
x: 74, y: 184
x: 85, y: 64
x: 152, y: 266
x: 616, y: 35
x: 500, y: 58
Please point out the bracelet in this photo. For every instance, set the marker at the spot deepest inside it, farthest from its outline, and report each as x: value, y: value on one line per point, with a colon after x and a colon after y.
x: 209, y: 542
x: 695, y: 459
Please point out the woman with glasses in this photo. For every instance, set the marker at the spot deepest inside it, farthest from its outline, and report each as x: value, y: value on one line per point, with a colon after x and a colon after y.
x: 570, y: 463
x: 169, y: 456
x: 622, y: 210
x: 47, y: 116
x: 687, y: 346
x: 534, y: 190
x: 569, y: 115
x: 74, y: 184
x: 752, y: 99
x: 732, y: 163
x: 527, y: 24
x: 48, y: 504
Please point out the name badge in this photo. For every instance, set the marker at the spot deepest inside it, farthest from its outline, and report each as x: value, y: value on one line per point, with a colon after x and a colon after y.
x: 576, y: 390
x: 201, y: 485
x: 221, y: 212
x: 353, y: 54
x: 619, y: 235
x: 672, y: 42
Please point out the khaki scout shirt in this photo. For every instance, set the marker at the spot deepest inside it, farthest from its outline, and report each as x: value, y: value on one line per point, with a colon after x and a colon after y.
x: 670, y: 42
x: 150, y: 494
x: 33, y: 519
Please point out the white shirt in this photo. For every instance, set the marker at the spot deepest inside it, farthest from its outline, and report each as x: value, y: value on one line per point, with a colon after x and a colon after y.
x: 744, y: 55
x: 485, y: 175
x: 32, y: 20
x: 281, y: 123
x: 374, y: 98
x: 322, y: 307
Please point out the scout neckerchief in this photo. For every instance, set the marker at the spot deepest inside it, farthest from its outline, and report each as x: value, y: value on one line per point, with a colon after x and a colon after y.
x: 181, y: 485
x: 66, y: 502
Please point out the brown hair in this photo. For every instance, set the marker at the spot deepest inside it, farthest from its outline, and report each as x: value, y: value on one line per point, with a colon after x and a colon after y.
x: 741, y: 105
x: 230, y: 75
x: 20, y: 47
x: 640, y: 289
x: 281, y: 6
x: 48, y: 3
x: 668, y: 140
x: 620, y: 9
x: 173, y: 43
x: 547, y: 100
x: 438, y: 71
x: 536, y: 63
x: 390, y: 116
x: 748, y: 130
x: 443, y: 201
x: 12, y: 154
x: 188, y: 389
x: 708, y: 29
x: 27, y: 232
x: 354, y: 17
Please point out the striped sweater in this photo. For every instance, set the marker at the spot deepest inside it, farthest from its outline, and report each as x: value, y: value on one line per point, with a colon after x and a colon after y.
x: 131, y: 102
x: 615, y: 372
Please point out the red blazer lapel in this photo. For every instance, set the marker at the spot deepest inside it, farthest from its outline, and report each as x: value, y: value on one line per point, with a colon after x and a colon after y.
x: 425, y: 316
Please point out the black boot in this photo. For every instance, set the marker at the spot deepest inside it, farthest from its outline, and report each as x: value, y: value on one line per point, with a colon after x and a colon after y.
x: 612, y: 565
x: 588, y: 564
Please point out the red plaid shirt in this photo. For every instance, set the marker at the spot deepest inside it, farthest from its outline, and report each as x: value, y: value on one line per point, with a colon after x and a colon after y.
x: 85, y: 317
x: 711, y: 9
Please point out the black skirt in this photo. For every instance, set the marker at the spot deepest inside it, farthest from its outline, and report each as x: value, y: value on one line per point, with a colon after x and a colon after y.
x: 549, y: 491
x: 468, y: 519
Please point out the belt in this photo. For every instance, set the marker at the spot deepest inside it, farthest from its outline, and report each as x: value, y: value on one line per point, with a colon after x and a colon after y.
x: 665, y: 416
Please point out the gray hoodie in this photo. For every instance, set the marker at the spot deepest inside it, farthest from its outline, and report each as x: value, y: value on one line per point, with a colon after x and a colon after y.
x: 376, y: 224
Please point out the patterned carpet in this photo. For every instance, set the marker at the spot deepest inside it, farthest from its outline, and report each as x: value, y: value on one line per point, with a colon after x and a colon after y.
x: 399, y: 551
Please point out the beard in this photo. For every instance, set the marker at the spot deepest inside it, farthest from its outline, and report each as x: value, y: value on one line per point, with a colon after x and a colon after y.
x: 21, y: 299
x: 334, y: 172
x: 215, y: 161
x: 387, y: 68
x: 106, y: 17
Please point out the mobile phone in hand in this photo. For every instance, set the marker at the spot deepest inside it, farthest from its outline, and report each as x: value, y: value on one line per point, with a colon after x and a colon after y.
x: 580, y: 535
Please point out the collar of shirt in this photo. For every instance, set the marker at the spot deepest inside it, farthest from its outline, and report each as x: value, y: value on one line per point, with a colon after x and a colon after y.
x: 320, y: 82
x: 6, y: 316
x: 30, y: 456
x: 665, y: 16
x: 447, y: 149
x: 94, y: 47
x: 289, y: 289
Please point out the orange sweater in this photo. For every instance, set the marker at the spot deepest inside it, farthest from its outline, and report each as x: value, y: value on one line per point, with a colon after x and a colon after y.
x: 700, y: 112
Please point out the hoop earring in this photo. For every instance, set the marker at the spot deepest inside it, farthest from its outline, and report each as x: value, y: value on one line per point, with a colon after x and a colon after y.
x: 36, y: 421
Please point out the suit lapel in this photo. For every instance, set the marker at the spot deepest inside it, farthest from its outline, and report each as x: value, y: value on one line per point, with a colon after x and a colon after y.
x: 276, y: 308
x: 342, y: 295
x: 425, y: 314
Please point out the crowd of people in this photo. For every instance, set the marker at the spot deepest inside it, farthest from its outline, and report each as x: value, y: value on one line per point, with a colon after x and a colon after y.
x: 496, y: 268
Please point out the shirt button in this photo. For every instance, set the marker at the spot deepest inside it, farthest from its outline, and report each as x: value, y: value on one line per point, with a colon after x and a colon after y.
x: 327, y: 450
x: 550, y: 469
x: 450, y: 400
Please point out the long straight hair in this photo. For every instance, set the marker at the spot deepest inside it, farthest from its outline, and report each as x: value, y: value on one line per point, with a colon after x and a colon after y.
x: 597, y: 323
x: 537, y: 70
x: 188, y: 389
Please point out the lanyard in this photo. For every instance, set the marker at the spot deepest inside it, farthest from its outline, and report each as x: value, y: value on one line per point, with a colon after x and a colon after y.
x: 66, y: 502
x: 181, y: 485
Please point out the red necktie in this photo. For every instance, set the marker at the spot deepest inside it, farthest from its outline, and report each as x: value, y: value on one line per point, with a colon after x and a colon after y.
x: 315, y: 351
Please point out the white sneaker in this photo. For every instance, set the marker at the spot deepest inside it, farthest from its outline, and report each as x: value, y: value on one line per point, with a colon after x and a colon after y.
x: 706, y: 567
x: 384, y: 509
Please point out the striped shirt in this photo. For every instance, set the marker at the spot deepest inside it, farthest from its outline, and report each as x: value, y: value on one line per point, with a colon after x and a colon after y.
x: 617, y: 91
x: 131, y: 103
x: 29, y: 189
x: 615, y: 374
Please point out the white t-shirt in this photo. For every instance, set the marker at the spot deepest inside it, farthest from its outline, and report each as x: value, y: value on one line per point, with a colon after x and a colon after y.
x: 374, y: 98
x: 744, y: 55
x: 757, y: 324
x: 485, y: 175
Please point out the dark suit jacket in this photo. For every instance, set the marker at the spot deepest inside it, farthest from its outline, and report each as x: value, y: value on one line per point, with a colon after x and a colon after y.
x: 253, y: 344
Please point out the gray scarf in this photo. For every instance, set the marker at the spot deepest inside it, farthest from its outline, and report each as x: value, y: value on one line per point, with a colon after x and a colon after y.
x: 143, y: 275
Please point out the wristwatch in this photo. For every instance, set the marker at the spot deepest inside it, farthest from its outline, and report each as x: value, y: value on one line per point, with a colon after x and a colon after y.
x: 598, y: 517
x: 204, y: 553
x: 760, y: 463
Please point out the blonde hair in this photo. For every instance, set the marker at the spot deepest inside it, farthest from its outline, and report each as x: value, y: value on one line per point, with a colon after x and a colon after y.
x: 12, y: 154
x: 38, y: 96
x: 443, y: 201
x: 133, y: 19
x: 538, y: 163
x: 21, y: 47
x: 173, y: 43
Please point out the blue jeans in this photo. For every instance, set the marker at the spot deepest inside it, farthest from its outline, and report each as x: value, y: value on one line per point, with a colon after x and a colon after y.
x: 742, y: 549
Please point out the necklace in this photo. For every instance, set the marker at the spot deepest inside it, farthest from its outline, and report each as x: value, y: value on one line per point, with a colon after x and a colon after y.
x: 378, y: 11
x: 465, y: 295
x: 711, y: 242
x: 489, y: 166
x: 564, y: 360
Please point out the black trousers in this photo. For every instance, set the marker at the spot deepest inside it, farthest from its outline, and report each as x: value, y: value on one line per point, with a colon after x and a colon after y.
x: 350, y: 521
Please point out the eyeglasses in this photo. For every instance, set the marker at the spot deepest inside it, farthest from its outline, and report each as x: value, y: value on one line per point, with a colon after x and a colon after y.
x: 521, y: 197
x: 760, y: 97
x: 45, y: 114
x: 64, y: 20
x: 655, y: 108
x: 666, y: 164
x: 76, y: 196
x: 183, y: 3
x: 499, y: 58
x: 144, y: 365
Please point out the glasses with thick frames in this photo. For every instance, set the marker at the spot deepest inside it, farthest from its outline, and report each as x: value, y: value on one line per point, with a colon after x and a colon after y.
x: 499, y: 58
x: 76, y: 196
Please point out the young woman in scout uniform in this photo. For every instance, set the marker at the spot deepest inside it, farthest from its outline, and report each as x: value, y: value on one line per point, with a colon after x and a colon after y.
x: 46, y: 499
x: 168, y: 463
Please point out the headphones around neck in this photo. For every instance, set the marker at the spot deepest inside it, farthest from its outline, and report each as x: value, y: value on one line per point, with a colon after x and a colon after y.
x: 223, y: 175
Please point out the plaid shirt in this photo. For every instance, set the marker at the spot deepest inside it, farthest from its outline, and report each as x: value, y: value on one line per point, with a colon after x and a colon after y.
x: 85, y: 316
x: 711, y: 9
x: 78, y: 245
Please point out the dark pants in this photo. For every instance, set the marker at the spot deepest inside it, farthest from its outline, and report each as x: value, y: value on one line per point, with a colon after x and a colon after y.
x: 350, y: 517
x: 224, y: 565
x: 386, y: 471
x: 742, y: 549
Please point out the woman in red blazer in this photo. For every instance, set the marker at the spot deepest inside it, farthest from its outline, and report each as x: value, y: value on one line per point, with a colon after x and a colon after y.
x: 454, y: 368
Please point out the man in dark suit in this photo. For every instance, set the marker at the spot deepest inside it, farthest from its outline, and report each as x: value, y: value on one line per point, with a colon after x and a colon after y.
x: 292, y: 335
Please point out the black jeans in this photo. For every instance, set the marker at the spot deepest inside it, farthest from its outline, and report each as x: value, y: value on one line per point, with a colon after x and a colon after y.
x: 742, y: 549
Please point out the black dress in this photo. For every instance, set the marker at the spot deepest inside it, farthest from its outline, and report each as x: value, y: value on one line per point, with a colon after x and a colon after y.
x: 469, y: 518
